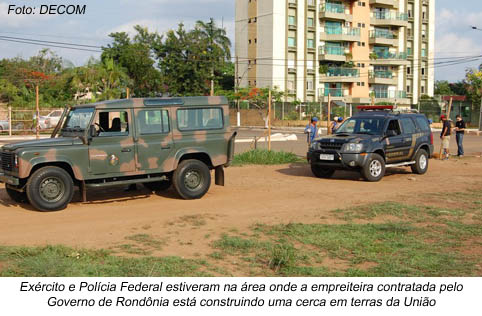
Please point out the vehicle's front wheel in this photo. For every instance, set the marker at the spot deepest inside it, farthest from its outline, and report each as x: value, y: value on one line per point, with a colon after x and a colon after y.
x: 374, y: 170
x: 192, y: 179
x: 321, y: 172
x: 421, y: 162
x: 19, y: 197
x: 50, y: 189
x: 158, y: 186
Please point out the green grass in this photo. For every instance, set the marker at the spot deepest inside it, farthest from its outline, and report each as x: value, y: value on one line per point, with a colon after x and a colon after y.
x: 265, y: 157
x: 52, y: 261
x: 380, y: 239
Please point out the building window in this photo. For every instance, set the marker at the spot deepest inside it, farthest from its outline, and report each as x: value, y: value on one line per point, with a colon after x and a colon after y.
x: 310, y: 22
x: 311, y: 43
x: 291, y: 20
x: 291, y: 42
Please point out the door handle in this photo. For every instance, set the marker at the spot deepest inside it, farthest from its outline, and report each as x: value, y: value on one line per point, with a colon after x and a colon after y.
x: 126, y: 150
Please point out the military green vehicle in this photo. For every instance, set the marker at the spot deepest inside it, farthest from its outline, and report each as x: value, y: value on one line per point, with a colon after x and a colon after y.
x: 155, y: 141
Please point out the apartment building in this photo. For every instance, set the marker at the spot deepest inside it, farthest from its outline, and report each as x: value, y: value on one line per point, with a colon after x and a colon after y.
x: 352, y: 51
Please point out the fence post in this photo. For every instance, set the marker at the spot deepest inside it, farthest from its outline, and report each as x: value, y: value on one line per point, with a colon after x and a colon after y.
x: 9, y: 120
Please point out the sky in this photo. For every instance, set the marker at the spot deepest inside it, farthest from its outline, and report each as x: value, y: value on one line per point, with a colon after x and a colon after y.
x: 454, y: 35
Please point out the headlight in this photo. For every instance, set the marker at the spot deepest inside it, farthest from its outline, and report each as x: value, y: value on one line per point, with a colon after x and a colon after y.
x: 353, y: 148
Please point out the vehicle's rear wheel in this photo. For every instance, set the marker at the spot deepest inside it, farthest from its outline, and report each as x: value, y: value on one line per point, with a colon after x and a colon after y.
x: 321, y: 172
x: 158, y: 186
x: 50, y: 189
x: 374, y: 170
x: 421, y: 162
x: 19, y: 197
x: 192, y: 179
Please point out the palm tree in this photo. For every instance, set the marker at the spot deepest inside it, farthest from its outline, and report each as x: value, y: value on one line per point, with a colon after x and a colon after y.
x: 219, y: 45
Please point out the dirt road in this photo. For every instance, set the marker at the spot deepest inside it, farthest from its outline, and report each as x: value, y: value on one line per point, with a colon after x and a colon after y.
x: 254, y: 194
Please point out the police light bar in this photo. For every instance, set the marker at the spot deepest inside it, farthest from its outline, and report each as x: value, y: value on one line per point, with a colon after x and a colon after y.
x: 375, y: 107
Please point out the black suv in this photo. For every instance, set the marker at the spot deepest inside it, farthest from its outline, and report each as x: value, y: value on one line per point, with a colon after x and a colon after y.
x: 372, y: 140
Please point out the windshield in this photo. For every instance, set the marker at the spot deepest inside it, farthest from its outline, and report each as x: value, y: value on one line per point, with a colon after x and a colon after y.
x: 78, y: 120
x: 361, y: 125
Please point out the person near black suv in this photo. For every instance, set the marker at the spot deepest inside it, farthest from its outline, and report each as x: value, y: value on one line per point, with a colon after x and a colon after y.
x: 372, y: 140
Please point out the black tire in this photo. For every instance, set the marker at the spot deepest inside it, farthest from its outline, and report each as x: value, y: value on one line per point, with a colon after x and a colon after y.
x: 19, y: 197
x: 374, y: 170
x: 192, y: 179
x: 50, y: 189
x: 158, y: 186
x: 321, y: 172
x: 421, y: 162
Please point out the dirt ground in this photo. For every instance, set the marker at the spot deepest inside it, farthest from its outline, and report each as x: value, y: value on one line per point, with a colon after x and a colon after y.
x: 253, y: 194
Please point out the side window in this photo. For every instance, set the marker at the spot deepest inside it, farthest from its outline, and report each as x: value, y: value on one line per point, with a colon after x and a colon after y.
x: 153, y: 121
x: 112, y: 123
x: 394, y: 125
x: 408, y: 126
x: 422, y: 123
x: 199, y: 119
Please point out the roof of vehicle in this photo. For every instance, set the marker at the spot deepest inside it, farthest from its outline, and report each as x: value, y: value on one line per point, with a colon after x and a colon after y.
x: 385, y: 114
x: 156, y: 102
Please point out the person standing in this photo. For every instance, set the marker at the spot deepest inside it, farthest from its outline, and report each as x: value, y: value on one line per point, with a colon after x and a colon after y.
x: 445, y: 136
x: 311, y: 130
x: 460, y: 127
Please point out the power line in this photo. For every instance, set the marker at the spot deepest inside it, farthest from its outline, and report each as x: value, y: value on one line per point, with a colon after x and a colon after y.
x: 49, y: 45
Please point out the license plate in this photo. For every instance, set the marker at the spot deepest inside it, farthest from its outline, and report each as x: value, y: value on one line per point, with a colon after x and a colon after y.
x: 327, y: 157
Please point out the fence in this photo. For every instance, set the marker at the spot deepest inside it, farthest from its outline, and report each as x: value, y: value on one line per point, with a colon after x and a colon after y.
x: 291, y: 114
x: 24, y: 122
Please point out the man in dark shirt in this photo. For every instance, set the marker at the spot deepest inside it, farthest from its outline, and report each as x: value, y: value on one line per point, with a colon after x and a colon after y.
x: 445, y: 136
x: 459, y: 135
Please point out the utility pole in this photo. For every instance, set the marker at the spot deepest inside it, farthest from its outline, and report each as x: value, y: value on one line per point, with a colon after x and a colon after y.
x: 269, y: 120
x: 38, y: 110
x: 328, y: 132
x: 238, y: 114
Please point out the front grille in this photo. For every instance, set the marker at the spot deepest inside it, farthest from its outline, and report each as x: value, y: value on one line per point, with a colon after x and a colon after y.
x: 331, y: 146
x: 7, y: 161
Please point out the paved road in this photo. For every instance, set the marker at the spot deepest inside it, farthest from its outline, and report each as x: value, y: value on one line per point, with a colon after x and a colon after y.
x: 472, y: 143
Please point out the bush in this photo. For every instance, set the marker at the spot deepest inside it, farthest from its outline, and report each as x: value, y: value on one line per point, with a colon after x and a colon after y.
x: 265, y: 157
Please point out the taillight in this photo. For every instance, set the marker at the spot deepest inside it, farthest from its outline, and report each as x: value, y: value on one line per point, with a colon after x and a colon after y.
x: 431, y: 138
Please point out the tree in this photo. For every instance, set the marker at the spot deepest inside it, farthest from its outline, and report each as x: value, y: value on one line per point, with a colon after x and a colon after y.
x: 183, y: 63
x: 137, y: 57
x: 218, y: 45
x: 473, y: 80
x: 442, y: 87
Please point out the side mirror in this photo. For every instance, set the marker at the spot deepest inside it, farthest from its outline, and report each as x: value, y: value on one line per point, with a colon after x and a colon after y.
x: 92, y: 131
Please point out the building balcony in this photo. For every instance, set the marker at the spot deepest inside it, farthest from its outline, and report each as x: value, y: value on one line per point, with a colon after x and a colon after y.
x: 385, y: 3
x: 389, y: 19
x: 332, y: 53
x: 391, y: 96
x: 339, y: 74
x: 340, y: 34
x: 386, y: 38
x: 335, y: 94
x: 382, y: 77
x: 389, y: 59
x: 335, y: 11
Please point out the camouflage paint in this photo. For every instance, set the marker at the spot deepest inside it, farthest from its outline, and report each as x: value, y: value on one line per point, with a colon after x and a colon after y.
x: 134, y: 154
